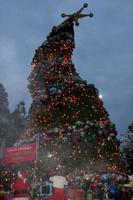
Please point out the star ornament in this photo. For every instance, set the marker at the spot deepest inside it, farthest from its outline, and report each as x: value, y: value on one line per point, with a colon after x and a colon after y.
x: 77, y: 15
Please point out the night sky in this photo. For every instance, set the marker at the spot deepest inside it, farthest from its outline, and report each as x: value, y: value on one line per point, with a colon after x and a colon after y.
x: 103, y: 53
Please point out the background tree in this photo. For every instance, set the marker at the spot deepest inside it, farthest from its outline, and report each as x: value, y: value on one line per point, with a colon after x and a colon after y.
x: 126, y: 149
x: 4, y: 117
x: 7, y: 176
x: 11, y: 124
x: 11, y: 127
x: 18, y: 122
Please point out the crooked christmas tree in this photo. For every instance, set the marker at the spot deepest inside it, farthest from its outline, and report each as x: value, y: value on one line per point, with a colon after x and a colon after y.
x: 67, y: 113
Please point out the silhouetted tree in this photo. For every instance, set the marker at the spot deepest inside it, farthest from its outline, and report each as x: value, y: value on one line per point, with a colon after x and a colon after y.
x: 18, y: 122
x: 11, y: 124
x: 126, y: 149
x: 4, y: 118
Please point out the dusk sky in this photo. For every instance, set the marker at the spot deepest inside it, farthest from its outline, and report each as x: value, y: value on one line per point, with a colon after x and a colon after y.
x: 103, y: 54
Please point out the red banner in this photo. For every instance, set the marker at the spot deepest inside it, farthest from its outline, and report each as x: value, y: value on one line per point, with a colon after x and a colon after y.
x: 17, y: 155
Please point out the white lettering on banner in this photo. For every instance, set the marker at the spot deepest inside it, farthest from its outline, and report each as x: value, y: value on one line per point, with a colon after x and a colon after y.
x: 12, y: 149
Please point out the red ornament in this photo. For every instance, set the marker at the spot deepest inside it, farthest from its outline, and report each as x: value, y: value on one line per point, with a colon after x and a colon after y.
x: 59, y: 92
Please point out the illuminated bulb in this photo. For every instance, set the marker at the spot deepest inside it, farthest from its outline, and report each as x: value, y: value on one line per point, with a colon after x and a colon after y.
x: 50, y: 155
x: 100, y: 96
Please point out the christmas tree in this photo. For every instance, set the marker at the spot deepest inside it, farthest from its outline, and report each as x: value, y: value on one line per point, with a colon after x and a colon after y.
x: 67, y: 112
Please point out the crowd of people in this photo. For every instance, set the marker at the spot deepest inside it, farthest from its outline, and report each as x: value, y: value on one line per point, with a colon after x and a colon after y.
x: 94, y: 187
x: 88, y: 189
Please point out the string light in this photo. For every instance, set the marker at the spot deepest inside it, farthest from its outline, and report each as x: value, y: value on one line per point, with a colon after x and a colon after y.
x: 100, y: 96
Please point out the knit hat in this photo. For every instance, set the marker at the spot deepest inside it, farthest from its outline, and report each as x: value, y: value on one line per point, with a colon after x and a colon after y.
x: 129, y: 185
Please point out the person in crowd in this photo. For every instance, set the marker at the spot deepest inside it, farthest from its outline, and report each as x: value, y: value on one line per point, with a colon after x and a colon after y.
x: 79, y: 193
x: 2, y: 196
x: 113, y: 191
x: 21, y: 187
x: 70, y: 190
x: 90, y: 195
x: 59, y: 183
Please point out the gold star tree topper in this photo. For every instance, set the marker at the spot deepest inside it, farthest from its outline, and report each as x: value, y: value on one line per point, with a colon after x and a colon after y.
x: 77, y: 15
